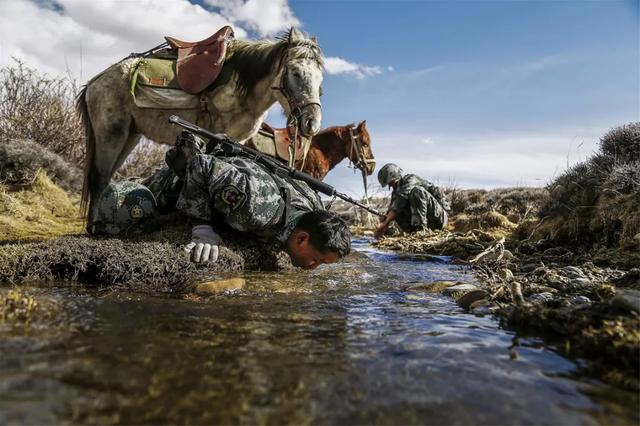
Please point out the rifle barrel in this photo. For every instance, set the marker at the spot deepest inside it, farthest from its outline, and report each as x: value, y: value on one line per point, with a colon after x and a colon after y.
x: 313, y: 183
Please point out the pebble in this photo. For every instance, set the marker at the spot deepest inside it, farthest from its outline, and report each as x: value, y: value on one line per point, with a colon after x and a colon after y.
x: 580, y: 283
x: 459, y: 288
x: 471, y: 297
x: 545, y: 297
x: 573, y: 272
x: 434, y: 287
x: 627, y: 299
x: 580, y: 301
x: 219, y: 286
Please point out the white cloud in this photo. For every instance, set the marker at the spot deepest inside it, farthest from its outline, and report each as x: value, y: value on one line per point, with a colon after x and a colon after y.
x: 488, y: 160
x: 89, y: 36
x: 335, y: 65
x: 84, y: 37
x: 267, y: 17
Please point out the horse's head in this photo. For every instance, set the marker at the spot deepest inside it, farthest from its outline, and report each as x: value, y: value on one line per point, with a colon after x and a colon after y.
x: 359, y: 148
x: 300, y: 81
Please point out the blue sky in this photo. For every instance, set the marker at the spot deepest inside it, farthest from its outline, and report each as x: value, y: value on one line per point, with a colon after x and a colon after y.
x: 464, y: 93
x: 533, y: 82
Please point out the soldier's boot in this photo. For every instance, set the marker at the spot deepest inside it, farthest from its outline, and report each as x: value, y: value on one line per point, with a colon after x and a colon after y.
x: 166, y: 183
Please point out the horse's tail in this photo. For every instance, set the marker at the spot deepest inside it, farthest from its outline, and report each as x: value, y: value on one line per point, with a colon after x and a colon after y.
x: 90, y: 150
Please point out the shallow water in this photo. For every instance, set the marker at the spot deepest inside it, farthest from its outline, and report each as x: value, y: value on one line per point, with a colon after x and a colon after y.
x: 343, y: 344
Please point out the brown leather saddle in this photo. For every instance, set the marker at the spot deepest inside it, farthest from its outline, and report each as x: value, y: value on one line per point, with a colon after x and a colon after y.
x: 200, y: 62
x: 283, y: 143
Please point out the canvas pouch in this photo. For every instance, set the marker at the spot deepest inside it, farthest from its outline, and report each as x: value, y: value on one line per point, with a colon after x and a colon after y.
x: 154, y: 85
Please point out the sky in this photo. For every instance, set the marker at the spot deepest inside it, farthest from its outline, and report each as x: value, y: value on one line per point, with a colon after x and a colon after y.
x: 472, y: 94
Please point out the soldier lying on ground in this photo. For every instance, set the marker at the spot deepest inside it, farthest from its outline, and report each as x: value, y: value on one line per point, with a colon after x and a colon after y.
x: 239, y: 193
x: 416, y: 204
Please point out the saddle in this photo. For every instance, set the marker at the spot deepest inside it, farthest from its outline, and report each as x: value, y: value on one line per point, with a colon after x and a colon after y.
x: 282, y: 141
x: 200, y: 62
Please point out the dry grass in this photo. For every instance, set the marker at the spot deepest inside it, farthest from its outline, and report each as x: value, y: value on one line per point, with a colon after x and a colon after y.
x: 143, y: 161
x: 34, y: 106
x: 597, y: 202
x: 40, y: 212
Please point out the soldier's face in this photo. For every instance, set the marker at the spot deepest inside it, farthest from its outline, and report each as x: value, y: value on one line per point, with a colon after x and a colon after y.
x: 304, y: 255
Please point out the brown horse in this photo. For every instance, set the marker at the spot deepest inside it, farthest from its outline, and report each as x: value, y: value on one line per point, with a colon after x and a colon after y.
x: 328, y: 148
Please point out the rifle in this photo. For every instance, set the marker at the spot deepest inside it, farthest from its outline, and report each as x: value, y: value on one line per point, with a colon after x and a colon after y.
x: 231, y: 147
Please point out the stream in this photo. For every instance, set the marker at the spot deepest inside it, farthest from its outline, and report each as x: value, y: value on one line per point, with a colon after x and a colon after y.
x: 344, y: 344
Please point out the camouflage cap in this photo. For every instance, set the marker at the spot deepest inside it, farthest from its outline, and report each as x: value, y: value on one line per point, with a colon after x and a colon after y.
x: 125, y: 207
x: 389, y: 173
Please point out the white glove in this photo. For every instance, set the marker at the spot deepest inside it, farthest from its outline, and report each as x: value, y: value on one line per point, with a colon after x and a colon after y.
x: 204, y: 244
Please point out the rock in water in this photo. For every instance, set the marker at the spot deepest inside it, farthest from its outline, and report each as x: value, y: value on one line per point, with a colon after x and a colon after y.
x: 471, y: 297
x: 458, y: 289
x: 219, y: 286
x: 434, y: 287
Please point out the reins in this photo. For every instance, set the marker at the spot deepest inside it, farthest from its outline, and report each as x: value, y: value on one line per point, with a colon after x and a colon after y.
x: 361, y: 162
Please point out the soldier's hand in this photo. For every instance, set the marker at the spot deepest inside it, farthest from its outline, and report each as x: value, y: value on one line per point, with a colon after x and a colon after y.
x: 380, y: 231
x: 204, y: 244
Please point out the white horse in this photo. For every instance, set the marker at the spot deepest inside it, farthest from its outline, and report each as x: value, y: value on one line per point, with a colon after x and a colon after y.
x: 255, y: 75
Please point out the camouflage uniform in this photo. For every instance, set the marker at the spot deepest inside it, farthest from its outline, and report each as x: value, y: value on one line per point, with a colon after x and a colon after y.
x: 165, y: 186
x: 246, y: 196
x: 418, y: 204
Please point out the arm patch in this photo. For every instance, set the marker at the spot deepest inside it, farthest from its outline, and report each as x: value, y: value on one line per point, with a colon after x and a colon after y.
x: 233, y: 196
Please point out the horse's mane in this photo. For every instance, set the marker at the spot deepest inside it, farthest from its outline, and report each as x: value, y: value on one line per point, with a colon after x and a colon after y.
x: 254, y: 60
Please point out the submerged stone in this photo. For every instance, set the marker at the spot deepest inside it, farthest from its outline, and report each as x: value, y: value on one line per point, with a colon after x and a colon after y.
x: 434, y: 287
x: 219, y: 286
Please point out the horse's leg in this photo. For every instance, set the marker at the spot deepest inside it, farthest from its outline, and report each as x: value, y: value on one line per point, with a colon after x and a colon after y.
x: 132, y: 141
x: 112, y: 138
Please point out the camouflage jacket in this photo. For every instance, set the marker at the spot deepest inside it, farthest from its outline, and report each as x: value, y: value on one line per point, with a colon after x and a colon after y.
x: 247, y: 196
x: 400, y: 195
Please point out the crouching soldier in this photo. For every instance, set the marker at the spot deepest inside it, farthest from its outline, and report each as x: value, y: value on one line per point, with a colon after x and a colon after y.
x: 416, y: 204
x: 249, y: 198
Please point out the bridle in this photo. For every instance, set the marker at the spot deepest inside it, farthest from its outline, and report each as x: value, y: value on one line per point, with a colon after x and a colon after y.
x: 355, y: 146
x: 296, y: 111
x: 360, y: 161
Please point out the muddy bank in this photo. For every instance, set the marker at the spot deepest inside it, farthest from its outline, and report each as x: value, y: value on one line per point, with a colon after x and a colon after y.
x: 148, y: 263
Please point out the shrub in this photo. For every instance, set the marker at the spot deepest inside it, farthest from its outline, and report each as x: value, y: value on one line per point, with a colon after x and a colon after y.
x: 36, y: 107
x: 143, y: 161
x: 20, y: 161
x: 623, y: 143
